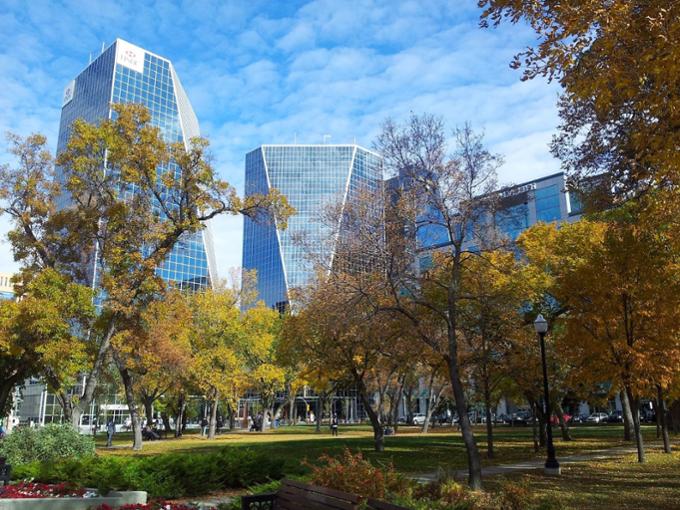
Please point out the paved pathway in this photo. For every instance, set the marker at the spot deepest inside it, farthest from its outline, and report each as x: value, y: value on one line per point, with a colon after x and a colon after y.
x: 530, y: 465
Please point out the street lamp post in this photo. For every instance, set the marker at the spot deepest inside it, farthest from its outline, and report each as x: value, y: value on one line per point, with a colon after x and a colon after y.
x: 552, y: 467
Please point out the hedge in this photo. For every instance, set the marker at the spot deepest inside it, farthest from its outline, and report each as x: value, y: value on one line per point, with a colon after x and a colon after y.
x: 169, y: 475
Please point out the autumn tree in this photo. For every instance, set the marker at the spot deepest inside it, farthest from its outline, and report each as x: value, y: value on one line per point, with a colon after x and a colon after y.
x: 258, y: 349
x: 338, y: 334
x: 488, y: 320
x: 133, y: 197
x: 619, y: 285
x: 217, y: 339
x: 617, y: 63
x: 452, y: 194
x: 162, y: 349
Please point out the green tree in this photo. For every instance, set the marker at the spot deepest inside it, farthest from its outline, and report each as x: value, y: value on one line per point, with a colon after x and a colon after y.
x: 40, y: 335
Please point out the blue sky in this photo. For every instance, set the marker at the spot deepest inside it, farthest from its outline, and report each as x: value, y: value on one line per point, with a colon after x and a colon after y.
x: 275, y: 71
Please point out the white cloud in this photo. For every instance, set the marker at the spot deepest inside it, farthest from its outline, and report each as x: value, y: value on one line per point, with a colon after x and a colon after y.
x: 269, y: 72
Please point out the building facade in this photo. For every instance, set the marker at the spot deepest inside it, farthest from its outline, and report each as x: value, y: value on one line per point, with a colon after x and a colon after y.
x: 518, y: 207
x: 125, y: 73
x: 311, y: 177
x: 6, y: 286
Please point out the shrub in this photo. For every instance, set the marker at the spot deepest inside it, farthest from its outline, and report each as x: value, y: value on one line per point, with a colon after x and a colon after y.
x: 515, y: 496
x: 170, y: 475
x: 47, y: 444
x: 352, y: 473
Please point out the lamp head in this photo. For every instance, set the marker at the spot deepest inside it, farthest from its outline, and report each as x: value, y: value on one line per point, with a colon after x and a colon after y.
x: 540, y: 324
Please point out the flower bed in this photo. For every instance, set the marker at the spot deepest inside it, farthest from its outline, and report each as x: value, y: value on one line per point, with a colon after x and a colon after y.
x: 24, y: 490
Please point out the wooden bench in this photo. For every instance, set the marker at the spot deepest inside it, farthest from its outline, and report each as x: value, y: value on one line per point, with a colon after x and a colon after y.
x: 300, y: 496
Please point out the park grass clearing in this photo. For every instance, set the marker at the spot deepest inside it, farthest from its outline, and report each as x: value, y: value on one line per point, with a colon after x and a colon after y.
x: 620, y: 483
x: 410, y: 451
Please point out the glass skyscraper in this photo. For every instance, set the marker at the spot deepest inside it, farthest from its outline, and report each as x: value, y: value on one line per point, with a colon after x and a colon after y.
x: 311, y: 177
x: 125, y: 73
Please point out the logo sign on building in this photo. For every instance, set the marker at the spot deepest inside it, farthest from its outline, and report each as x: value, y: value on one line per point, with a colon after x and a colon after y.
x: 130, y: 56
x: 68, y: 93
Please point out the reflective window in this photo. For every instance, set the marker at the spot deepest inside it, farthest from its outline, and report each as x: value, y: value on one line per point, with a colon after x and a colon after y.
x: 513, y: 220
x: 311, y: 177
x: 158, y: 88
x: 548, y: 203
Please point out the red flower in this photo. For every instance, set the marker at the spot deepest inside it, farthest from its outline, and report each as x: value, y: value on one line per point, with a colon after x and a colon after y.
x: 25, y: 490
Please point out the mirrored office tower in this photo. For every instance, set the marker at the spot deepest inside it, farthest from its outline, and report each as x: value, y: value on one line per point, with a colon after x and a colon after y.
x: 125, y: 73
x: 311, y: 177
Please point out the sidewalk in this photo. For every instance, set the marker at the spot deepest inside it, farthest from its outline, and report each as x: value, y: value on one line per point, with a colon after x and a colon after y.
x: 530, y: 465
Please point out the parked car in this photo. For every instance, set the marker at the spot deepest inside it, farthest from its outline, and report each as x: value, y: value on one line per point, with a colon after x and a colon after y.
x: 503, y: 418
x: 520, y: 418
x: 615, y: 417
x: 579, y: 418
x: 597, y: 418
x: 419, y: 419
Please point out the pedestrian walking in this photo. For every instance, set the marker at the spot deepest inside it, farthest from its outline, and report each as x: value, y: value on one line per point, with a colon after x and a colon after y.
x: 110, y: 431
x: 334, y: 425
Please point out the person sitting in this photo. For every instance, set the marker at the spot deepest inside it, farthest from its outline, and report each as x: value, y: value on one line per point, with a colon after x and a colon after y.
x: 149, y: 434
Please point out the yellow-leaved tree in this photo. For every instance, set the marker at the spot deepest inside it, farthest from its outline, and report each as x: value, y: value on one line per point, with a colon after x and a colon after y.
x: 620, y: 287
x: 218, y: 369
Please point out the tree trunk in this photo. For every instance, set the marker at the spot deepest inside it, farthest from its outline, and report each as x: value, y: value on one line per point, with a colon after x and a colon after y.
x: 132, y: 406
x: 179, y: 420
x: 6, y: 389
x: 395, y: 406
x: 675, y: 416
x: 148, y: 407
x: 378, y: 432
x: 232, y: 417
x: 627, y: 416
x: 487, y: 410
x: 166, y: 422
x: 636, y: 425
x: 657, y: 417
x: 564, y: 426
x: 87, y: 395
x: 66, y: 402
x: 429, y: 404
x: 661, y: 412
x: 534, y: 429
x: 213, y: 416
x: 319, y: 408
x: 408, y: 396
x: 292, y: 412
x: 473, y: 460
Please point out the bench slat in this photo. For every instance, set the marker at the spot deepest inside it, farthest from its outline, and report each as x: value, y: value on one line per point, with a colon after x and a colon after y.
x: 345, y: 496
x: 318, y: 499
x: 297, y: 502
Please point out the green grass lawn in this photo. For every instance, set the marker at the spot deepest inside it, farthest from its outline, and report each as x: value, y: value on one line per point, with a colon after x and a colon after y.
x: 410, y: 451
x: 620, y: 483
